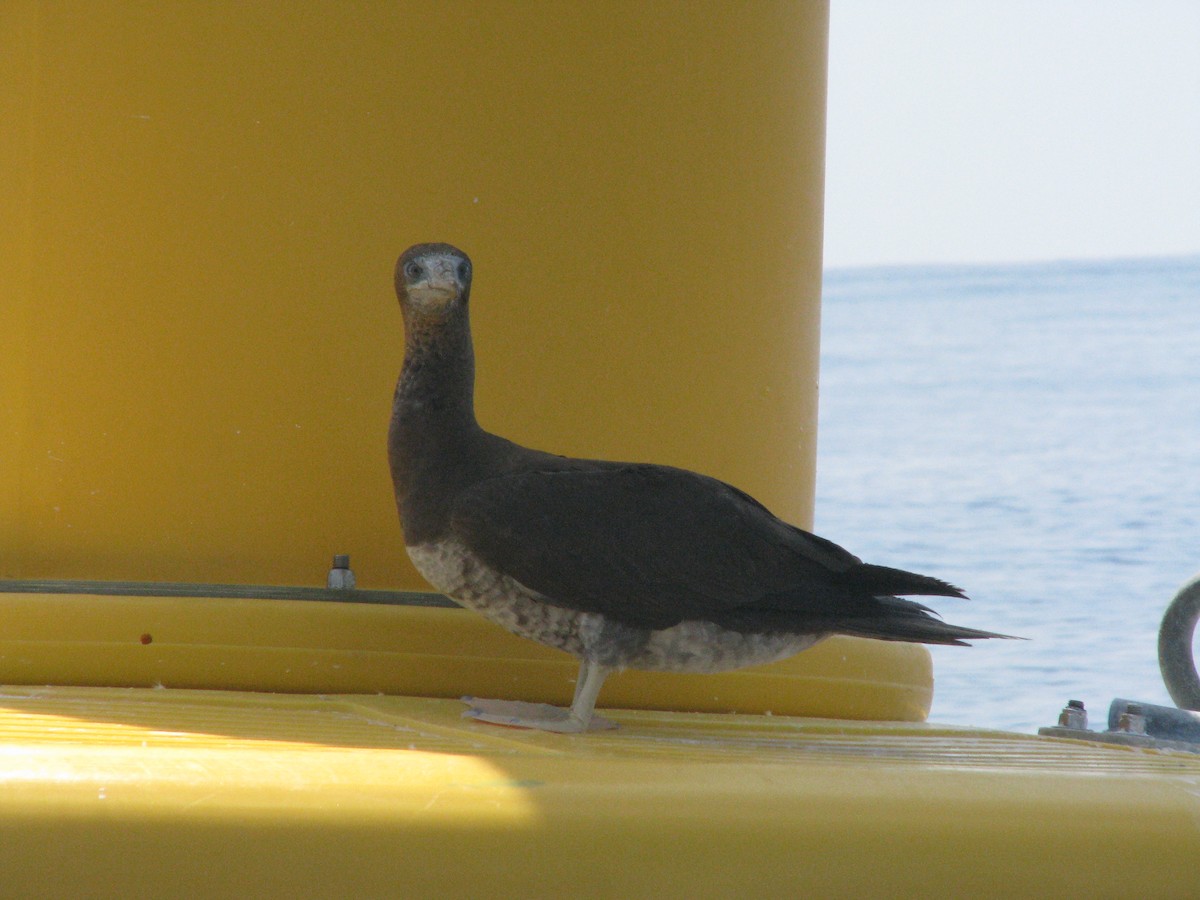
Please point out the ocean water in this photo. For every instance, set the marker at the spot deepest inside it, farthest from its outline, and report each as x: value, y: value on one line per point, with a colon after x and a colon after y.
x: 1032, y: 434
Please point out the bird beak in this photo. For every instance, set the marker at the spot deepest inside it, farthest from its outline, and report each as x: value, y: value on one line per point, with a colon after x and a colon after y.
x: 433, y: 295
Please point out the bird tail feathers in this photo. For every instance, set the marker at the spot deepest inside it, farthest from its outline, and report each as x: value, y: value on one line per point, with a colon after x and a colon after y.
x: 885, y: 581
x: 904, y: 620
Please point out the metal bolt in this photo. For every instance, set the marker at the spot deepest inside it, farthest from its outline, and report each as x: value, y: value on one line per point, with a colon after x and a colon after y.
x: 341, y: 576
x: 1133, y: 720
x: 1073, y: 716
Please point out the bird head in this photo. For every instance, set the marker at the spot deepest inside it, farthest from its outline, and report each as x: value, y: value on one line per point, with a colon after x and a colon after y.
x: 432, y: 280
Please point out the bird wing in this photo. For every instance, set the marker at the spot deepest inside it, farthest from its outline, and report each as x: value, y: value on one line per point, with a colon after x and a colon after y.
x: 646, y: 545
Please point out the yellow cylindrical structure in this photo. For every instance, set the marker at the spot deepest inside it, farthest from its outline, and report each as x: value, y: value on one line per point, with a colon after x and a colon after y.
x: 202, y: 204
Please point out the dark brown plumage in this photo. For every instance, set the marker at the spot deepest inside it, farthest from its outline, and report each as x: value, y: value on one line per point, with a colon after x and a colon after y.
x: 622, y: 564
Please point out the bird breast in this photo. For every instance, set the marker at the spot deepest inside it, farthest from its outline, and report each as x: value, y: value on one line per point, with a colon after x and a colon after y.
x: 454, y: 570
x: 690, y: 646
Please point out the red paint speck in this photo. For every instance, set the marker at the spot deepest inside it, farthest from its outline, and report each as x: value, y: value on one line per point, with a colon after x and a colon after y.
x: 145, y: 638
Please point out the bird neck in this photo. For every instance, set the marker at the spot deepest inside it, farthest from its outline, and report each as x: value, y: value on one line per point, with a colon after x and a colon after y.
x: 433, y: 412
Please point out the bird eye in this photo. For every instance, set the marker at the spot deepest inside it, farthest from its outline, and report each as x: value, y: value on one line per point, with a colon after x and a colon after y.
x: 413, y: 271
x: 464, y: 270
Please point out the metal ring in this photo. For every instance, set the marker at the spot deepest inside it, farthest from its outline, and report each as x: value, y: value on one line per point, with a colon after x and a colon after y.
x: 1175, y: 646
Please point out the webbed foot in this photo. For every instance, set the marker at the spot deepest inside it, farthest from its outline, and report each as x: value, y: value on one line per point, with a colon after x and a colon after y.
x: 542, y: 716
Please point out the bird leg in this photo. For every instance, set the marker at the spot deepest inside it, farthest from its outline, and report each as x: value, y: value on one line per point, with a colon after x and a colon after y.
x: 544, y: 717
x: 587, y: 688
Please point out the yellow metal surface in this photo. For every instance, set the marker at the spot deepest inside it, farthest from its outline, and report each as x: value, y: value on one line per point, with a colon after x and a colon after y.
x: 200, y: 209
x: 164, y: 793
x: 282, y: 645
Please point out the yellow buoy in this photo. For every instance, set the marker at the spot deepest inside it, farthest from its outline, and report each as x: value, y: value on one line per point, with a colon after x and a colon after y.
x: 199, y: 334
x: 203, y: 203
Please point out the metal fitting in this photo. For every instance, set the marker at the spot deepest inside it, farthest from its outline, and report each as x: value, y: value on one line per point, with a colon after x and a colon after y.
x: 341, y: 576
x: 1132, y: 720
x: 1074, y: 716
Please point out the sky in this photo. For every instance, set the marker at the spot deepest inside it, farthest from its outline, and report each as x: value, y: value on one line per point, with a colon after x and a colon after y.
x: 1011, y: 130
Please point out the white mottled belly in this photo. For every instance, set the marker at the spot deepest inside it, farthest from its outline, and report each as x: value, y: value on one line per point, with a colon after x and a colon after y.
x: 705, y: 647
x: 692, y: 646
x: 457, y: 572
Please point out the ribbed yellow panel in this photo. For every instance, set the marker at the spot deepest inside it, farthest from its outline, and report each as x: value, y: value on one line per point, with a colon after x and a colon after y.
x: 172, y: 793
x: 317, y: 647
x: 200, y: 209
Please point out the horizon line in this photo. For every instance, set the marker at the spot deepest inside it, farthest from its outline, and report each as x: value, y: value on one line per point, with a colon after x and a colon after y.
x: 1010, y: 263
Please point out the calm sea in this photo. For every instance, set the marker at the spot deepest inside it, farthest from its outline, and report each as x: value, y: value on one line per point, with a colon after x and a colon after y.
x: 1032, y: 434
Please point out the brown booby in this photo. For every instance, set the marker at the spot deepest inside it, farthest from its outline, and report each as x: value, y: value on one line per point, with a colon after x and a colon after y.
x: 624, y: 565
